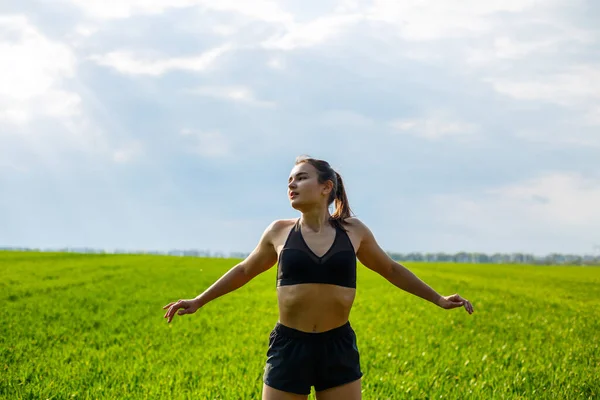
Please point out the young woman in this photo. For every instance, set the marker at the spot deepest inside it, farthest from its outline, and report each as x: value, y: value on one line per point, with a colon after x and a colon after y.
x: 312, y: 343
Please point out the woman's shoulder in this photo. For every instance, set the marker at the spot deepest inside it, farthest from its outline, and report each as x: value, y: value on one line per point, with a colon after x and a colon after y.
x: 281, y: 224
x: 354, y: 225
x: 354, y: 222
x: 278, y: 230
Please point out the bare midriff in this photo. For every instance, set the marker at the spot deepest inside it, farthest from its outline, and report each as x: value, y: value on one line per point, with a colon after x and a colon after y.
x: 314, y: 307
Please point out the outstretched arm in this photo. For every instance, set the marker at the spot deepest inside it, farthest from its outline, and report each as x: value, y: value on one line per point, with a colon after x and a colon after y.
x: 372, y: 256
x: 261, y: 259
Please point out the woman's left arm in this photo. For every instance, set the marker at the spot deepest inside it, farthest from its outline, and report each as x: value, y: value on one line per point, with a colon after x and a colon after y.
x: 372, y: 256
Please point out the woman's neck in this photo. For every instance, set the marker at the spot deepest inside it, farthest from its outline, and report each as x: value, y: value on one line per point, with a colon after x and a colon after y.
x: 316, y: 220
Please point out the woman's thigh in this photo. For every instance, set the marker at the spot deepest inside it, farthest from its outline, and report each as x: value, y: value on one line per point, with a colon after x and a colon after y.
x: 348, y: 391
x: 270, y: 393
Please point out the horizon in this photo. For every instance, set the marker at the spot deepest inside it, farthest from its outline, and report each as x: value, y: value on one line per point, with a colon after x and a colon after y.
x: 207, y: 253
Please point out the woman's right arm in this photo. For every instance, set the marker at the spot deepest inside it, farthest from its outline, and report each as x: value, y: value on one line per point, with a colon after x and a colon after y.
x: 261, y: 259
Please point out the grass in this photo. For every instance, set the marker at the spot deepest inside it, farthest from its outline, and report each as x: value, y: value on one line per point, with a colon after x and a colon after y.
x: 77, y: 326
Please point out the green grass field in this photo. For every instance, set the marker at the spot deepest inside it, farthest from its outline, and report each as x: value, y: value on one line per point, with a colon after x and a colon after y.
x: 79, y: 326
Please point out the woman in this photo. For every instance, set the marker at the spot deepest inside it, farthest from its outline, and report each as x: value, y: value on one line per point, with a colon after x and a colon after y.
x: 313, y: 343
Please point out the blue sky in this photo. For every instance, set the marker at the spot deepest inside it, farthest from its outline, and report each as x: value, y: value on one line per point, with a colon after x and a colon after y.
x: 155, y: 124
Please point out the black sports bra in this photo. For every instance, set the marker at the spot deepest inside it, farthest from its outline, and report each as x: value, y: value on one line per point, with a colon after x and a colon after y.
x: 298, y: 264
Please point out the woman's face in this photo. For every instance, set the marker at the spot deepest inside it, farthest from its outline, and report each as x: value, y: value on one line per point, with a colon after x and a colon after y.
x: 304, y: 189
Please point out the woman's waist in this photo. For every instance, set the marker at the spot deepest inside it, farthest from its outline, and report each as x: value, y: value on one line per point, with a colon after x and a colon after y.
x: 322, y: 334
x: 314, y: 318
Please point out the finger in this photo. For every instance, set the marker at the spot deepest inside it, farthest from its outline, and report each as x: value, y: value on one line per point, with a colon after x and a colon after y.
x: 174, y: 309
x: 167, y: 313
x: 461, y: 300
x: 168, y: 305
x: 468, y: 307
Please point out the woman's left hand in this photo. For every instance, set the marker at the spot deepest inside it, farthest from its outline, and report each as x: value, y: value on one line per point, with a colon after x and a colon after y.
x: 454, y: 301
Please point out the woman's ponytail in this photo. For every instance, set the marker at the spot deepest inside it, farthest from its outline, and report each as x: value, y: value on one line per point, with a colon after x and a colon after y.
x: 342, y: 207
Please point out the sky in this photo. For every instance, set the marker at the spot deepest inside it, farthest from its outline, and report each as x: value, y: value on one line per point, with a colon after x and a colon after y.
x: 174, y: 124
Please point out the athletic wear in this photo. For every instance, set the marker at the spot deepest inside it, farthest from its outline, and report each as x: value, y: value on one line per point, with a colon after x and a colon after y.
x: 298, y: 264
x: 297, y: 360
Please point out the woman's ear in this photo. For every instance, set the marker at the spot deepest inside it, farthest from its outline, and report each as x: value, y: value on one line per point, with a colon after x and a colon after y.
x: 328, y: 188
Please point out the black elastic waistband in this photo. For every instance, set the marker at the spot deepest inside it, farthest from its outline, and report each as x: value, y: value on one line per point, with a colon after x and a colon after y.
x: 295, y: 333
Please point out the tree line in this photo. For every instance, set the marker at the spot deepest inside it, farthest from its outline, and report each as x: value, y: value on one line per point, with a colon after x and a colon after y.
x: 460, y: 257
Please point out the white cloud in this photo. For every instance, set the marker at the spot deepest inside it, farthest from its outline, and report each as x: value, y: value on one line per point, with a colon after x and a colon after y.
x: 437, y: 126
x: 276, y: 63
x: 577, y: 86
x: 560, y: 197
x: 312, y: 33
x: 109, y: 9
x: 237, y: 94
x: 507, y: 48
x: 85, y: 30
x: 127, y: 152
x: 593, y: 116
x: 571, y: 134
x: 430, y: 19
x: 293, y: 34
x: 552, y: 207
x: 263, y: 10
x: 16, y: 116
x: 127, y: 63
x: 207, y: 144
x: 34, y: 73
x: 224, y: 30
x: 32, y: 68
x: 62, y: 103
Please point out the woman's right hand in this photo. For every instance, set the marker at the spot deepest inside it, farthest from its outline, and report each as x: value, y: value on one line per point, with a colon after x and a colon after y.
x: 184, y: 307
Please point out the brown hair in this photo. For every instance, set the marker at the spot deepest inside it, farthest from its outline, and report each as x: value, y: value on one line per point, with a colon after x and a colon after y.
x: 338, y: 194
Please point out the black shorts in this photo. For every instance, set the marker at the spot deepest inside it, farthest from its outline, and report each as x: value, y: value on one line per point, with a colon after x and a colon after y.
x: 297, y: 360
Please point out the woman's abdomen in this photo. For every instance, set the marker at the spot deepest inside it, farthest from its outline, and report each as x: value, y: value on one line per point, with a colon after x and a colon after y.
x: 314, y: 307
